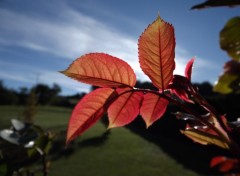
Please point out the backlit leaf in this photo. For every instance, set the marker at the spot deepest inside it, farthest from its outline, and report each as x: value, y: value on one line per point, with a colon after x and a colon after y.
x: 188, y: 69
x: 229, y: 81
x: 230, y: 38
x: 153, y: 107
x: 101, y: 70
x: 125, y: 108
x: 156, y: 52
x: 89, y: 109
x: 224, y: 83
x: 204, y: 138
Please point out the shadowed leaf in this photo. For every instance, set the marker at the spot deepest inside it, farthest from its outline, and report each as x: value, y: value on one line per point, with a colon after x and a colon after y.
x: 89, y: 109
x: 216, y: 3
x: 224, y: 164
x: 156, y: 52
x: 153, y: 107
x: 179, y: 86
x: 204, y: 138
x: 101, y: 70
x: 125, y: 108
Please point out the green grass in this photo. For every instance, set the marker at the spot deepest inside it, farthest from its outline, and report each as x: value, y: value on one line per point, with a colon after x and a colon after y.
x: 121, y: 153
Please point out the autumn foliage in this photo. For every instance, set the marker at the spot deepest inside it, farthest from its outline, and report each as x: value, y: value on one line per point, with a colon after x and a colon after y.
x: 123, y: 102
x: 117, y: 79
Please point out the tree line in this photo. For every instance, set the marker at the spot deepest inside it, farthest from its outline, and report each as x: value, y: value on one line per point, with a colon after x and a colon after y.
x: 50, y: 95
x: 44, y: 95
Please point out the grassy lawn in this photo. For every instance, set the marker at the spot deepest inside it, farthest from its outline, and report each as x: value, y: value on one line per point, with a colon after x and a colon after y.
x: 117, y: 153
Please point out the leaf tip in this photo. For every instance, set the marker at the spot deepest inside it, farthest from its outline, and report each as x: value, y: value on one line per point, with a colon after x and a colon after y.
x: 189, y: 67
x: 110, y: 126
x: 63, y: 72
x: 158, y: 15
x: 68, y: 140
x: 148, y: 124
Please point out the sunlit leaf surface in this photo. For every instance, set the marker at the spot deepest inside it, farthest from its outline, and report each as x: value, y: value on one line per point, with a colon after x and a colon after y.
x: 89, y: 109
x: 153, y: 107
x: 157, y: 51
x: 125, y: 108
x: 102, y: 70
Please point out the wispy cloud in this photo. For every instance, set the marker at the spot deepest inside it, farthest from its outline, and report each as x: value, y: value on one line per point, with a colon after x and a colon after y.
x: 203, y: 69
x: 68, y: 37
x: 69, y: 34
x: 33, y: 75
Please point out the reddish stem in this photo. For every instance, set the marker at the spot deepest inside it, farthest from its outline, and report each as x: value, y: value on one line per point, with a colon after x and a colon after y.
x: 233, y: 146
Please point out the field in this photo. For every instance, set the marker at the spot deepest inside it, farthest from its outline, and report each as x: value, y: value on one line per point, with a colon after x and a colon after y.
x: 100, y: 153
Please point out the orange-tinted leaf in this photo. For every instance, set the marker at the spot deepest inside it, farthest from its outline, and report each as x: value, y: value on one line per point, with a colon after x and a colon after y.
x: 156, y: 52
x: 89, y: 109
x: 153, y: 107
x: 188, y: 69
x: 102, y: 70
x: 125, y: 108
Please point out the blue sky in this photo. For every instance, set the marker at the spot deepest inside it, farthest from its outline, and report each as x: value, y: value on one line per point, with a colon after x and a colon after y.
x: 39, y: 38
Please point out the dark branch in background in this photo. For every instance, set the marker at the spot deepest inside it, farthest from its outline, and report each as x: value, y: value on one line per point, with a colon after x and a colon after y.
x: 217, y: 3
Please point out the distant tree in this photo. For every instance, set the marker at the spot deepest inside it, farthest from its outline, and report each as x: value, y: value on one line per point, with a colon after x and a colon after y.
x: 205, y: 88
x: 30, y: 108
x: 23, y: 95
x: 45, y: 94
x: 7, y: 96
x: 145, y: 85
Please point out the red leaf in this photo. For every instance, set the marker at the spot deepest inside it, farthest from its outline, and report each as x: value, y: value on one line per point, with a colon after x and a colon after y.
x: 102, y: 70
x: 153, y: 107
x: 225, y: 164
x: 188, y: 69
x: 89, y: 109
x: 156, y: 52
x: 217, y: 160
x: 125, y: 108
x: 180, y: 86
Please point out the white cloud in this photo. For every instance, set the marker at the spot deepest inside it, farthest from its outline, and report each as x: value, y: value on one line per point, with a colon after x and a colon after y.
x: 77, y: 35
x: 33, y: 75
x: 71, y: 35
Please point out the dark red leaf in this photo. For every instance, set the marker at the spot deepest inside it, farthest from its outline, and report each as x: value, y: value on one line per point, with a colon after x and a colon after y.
x: 224, y: 164
x: 188, y: 69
